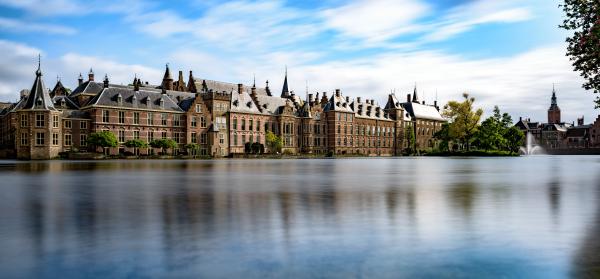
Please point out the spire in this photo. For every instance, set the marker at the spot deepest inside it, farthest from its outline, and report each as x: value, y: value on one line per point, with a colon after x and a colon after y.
x: 80, y: 79
x: 254, y: 81
x: 285, y: 92
x: 105, y: 80
x: 415, y: 98
x: 167, y: 83
x: 191, y: 86
x: 39, y: 97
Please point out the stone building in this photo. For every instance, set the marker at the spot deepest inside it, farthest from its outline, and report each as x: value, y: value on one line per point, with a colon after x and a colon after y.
x: 220, y: 117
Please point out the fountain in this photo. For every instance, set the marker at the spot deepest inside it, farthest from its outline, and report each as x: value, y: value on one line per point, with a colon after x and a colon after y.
x: 531, y: 147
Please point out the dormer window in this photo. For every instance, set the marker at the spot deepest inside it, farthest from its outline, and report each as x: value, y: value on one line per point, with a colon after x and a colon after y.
x: 38, y: 102
x: 62, y: 102
x: 249, y: 104
x: 133, y: 99
x: 162, y: 103
x: 119, y: 99
x: 236, y: 103
x: 148, y: 101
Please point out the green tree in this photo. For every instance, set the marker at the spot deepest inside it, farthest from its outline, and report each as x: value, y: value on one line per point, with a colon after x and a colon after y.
x: 136, y: 144
x: 164, y: 144
x: 443, y: 136
x: 464, y: 120
x: 409, y: 136
x: 192, y: 148
x: 583, y: 19
x: 274, y: 142
x: 103, y: 139
x: 514, y: 139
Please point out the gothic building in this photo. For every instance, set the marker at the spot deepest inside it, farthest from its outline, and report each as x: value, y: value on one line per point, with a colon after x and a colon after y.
x: 220, y: 117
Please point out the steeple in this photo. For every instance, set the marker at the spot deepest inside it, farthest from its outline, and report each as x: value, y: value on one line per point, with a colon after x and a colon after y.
x: 554, y: 110
x: 167, y: 83
x: 180, y: 84
x: 415, y: 98
x: 285, y: 92
x: 553, y: 99
x: 191, y: 86
x: 39, y: 97
x: 80, y: 79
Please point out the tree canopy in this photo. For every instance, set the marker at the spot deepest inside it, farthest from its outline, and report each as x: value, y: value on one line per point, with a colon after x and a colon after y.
x: 583, y: 18
x: 102, y: 139
x: 164, y: 144
x: 274, y: 142
x: 464, y: 119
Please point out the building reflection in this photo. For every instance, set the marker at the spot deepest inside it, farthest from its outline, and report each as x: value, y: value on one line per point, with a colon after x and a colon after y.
x: 586, y: 261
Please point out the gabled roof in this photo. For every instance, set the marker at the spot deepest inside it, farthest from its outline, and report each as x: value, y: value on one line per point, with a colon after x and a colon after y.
x: 393, y: 102
x: 365, y: 109
x: 242, y: 102
x: 143, y: 99
x: 337, y: 103
x: 39, y: 97
x: 64, y: 102
x: 88, y: 87
x: 59, y: 90
x: 419, y: 111
x: 270, y: 104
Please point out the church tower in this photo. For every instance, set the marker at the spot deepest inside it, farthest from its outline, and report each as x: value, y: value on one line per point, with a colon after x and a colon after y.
x: 554, y: 110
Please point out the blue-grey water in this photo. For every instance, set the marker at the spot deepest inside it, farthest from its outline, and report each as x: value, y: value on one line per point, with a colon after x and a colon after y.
x: 527, y: 217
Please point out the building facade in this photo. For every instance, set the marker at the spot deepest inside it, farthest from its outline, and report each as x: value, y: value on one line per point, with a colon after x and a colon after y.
x: 221, y: 118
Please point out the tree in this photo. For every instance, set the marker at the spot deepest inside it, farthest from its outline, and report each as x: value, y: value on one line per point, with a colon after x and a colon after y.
x: 274, y: 142
x: 582, y: 17
x: 102, y: 139
x: 192, y: 148
x: 443, y: 135
x: 136, y: 144
x: 464, y: 121
x: 514, y: 139
x: 164, y: 144
x: 409, y: 136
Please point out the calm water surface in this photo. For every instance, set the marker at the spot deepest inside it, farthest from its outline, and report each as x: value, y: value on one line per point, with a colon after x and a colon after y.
x: 533, y: 217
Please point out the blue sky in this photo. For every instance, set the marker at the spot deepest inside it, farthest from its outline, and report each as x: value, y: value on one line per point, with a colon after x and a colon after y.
x: 504, y: 52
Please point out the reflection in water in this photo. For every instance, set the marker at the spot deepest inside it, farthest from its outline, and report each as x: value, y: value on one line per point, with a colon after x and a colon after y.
x: 301, y: 218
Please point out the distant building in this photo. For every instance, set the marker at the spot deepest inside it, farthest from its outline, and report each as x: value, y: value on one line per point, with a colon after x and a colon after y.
x: 222, y: 118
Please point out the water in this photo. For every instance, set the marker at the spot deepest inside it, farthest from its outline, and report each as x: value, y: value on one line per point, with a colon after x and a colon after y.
x: 531, y: 147
x: 527, y: 217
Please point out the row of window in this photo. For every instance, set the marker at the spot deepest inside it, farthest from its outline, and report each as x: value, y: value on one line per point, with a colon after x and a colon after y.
x: 365, y: 142
x: 40, y: 139
x: 40, y: 121
x: 176, y: 121
x: 367, y: 130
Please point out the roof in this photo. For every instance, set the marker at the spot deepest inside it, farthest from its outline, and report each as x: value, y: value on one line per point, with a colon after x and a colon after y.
x: 419, y: 111
x: 270, y: 104
x: 88, y: 87
x: 337, y: 102
x: 242, y: 102
x: 578, y: 131
x: 39, y: 97
x: 64, y: 102
x: 368, y: 110
x: 143, y: 99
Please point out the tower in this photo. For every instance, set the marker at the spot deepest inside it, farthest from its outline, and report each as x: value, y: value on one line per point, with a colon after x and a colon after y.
x: 285, y: 92
x: 167, y: 83
x: 554, y: 110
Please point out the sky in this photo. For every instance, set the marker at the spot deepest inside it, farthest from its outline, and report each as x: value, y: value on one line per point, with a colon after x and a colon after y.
x: 508, y: 53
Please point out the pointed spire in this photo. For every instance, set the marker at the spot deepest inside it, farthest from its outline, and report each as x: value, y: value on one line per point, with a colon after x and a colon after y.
x: 254, y: 81
x: 39, y: 97
x: 553, y: 100
x: 285, y: 92
x: 167, y: 83
x: 80, y: 79
x: 191, y: 86
x: 415, y: 98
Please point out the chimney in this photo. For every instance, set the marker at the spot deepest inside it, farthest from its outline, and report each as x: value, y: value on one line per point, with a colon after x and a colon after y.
x: 91, y: 75
x: 520, y: 118
x: 580, y: 121
x: 106, y: 81
x: 435, y: 103
x: 423, y: 102
x: 347, y: 99
x: 311, y: 98
x: 136, y: 85
x: 408, y: 98
x: 317, y: 97
x: 337, y: 93
x: 253, y: 92
x: 80, y: 79
x: 358, y: 99
x: 240, y: 88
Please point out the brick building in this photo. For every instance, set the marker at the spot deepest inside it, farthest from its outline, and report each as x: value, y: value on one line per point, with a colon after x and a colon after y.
x: 220, y: 117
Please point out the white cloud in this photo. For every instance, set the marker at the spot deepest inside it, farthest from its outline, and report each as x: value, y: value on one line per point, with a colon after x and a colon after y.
x: 19, y: 26
x: 376, y: 20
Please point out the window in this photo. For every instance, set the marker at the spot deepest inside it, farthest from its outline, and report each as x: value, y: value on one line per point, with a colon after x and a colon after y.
x: 234, y: 124
x: 235, y: 139
x: 24, y: 139
x: 178, y: 137
x: 40, y: 138
x: 221, y: 138
x: 194, y: 138
x: 243, y: 139
x: 55, y: 139
x: 202, y: 122
x: 136, y: 118
x: 177, y: 120
x: 121, y: 117
x: 243, y: 124
x: 136, y: 135
x: 121, y: 136
x: 39, y: 120
x: 198, y: 108
x: 163, y: 134
x: 68, y: 124
x: 24, y: 121
x: 83, y: 140
x: 151, y: 136
x: 258, y: 125
x: 105, y: 116
x: 193, y: 122
x: 150, y: 118
x: 83, y: 125
x: 55, y: 123
x: 163, y: 119
x: 251, y: 140
x: 203, y: 138
x: 68, y: 139
x: 250, y: 125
